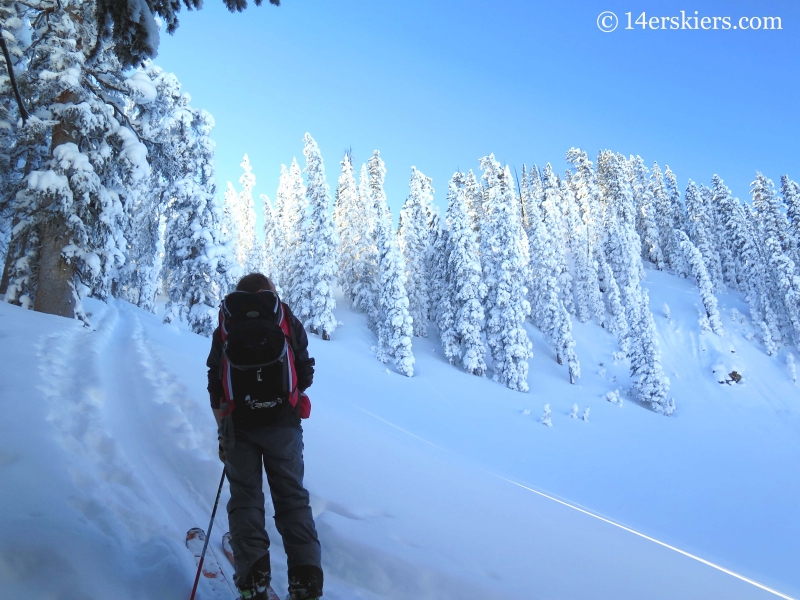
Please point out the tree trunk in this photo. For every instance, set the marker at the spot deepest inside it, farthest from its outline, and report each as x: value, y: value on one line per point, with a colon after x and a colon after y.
x: 54, y: 291
x: 54, y: 294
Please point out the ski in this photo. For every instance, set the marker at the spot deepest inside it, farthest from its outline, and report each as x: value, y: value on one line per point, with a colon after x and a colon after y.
x: 212, y: 573
x: 228, y: 549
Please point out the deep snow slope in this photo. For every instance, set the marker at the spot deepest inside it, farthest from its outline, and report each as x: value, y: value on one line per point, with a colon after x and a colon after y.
x: 423, y: 487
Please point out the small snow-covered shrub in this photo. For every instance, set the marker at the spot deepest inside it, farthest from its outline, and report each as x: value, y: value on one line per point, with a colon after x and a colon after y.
x: 574, y: 413
x: 546, y: 416
x: 667, y: 314
x: 586, y: 414
x: 791, y: 366
x: 614, y: 397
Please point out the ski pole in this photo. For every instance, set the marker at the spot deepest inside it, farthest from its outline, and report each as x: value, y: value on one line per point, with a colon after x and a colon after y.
x: 208, y: 536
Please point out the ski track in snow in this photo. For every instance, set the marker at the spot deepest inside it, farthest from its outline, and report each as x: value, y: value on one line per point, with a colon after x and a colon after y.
x: 128, y: 424
x: 115, y: 403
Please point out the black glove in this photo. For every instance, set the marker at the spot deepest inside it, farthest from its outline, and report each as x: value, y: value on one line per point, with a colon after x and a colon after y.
x: 221, y: 450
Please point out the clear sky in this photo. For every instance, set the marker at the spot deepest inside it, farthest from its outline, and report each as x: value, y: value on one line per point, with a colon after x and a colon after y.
x: 439, y: 83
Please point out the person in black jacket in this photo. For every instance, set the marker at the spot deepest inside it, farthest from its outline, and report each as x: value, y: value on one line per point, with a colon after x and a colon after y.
x: 279, y: 447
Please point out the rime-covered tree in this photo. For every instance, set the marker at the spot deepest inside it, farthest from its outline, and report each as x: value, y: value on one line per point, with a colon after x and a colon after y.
x: 273, y: 238
x: 415, y: 245
x: 365, y: 287
x: 790, y: 193
x: 698, y: 209
x: 67, y: 241
x: 674, y: 192
x: 294, y: 223
x: 663, y: 215
x: 394, y: 325
x: 787, y: 284
x: 548, y: 311
x: 647, y: 225
x: 506, y: 307
x: 753, y: 271
x: 724, y: 211
x: 587, y: 195
x: 552, y: 217
x: 698, y: 270
x: 321, y: 242
x: 473, y: 197
x: 463, y: 340
x: 350, y: 226
x: 202, y: 268
x: 651, y: 385
x: 771, y: 218
x: 246, y: 216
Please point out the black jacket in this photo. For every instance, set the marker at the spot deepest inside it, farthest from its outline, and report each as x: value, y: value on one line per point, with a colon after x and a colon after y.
x: 303, y: 363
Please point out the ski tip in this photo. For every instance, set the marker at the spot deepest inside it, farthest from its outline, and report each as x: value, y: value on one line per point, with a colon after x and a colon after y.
x: 195, y: 532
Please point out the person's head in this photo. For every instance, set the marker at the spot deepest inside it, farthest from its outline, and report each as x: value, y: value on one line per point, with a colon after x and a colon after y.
x: 255, y: 282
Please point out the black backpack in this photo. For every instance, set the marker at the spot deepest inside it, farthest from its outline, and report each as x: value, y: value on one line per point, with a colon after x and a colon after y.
x: 257, y: 368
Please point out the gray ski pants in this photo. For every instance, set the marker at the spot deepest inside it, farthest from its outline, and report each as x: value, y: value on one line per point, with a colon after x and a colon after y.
x: 280, y: 449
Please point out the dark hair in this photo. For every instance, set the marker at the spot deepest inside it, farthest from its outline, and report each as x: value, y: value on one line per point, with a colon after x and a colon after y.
x: 254, y: 282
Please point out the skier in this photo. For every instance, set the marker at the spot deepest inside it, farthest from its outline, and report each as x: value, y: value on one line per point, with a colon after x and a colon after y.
x: 258, y: 421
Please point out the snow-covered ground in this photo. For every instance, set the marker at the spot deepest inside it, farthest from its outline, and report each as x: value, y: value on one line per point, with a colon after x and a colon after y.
x: 441, y: 486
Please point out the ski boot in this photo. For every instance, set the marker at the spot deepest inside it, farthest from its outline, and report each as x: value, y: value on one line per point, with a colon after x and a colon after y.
x: 305, y: 583
x: 256, y: 585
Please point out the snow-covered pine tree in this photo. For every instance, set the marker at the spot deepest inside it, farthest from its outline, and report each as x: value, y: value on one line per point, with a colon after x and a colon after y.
x: 394, y: 322
x: 585, y: 272
x: 440, y: 305
x: 549, y: 313
x: 230, y: 209
x: 587, y: 195
x: 698, y: 205
x: 294, y: 223
x: 506, y: 307
x: 651, y: 385
x: 623, y: 246
x: 663, y: 214
x: 679, y: 217
x: 67, y: 240
x: 247, y: 214
x: 415, y: 245
x: 281, y: 241
x: 552, y: 216
x: 646, y: 214
x: 463, y: 338
x: 752, y: 270
x: 350, y: 227
x: 157, y: 116
x: 772, y: 221
x: 201, y: 264
x: 322, y: 243
x: 273, y: 238
x: 12, y: 151
x: 713, y: 262
x: 473, y: 195
x: 724, y: 218
x: 365, y: 287
x: 787, y: 293
x: 790, y: 192
x: 697, y: 266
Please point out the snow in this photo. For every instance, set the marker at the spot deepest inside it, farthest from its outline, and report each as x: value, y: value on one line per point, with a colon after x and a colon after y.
x: 440, y: 486
x: 142, y: 87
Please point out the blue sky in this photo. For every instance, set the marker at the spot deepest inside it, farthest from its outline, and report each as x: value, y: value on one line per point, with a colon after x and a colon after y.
x: 439, y: 83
